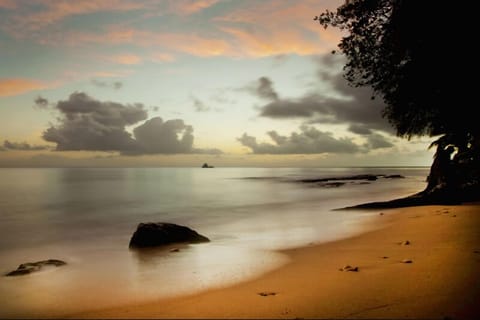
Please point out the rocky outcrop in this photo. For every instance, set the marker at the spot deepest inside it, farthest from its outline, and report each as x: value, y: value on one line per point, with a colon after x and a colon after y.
x: 443, y: 196
x: 160, y: 234
x: 367, y: 177
x: 340, y: 181
x: 29, y: 267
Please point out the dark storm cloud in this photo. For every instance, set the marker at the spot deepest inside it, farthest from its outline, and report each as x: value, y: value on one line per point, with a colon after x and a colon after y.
x: 21, y: 146
x: 308, y: 141
x: 89, y: 124
x: 351, y: 106
x: 105, y: 84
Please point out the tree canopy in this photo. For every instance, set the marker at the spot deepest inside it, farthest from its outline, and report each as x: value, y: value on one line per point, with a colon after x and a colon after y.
x: 414, y: 56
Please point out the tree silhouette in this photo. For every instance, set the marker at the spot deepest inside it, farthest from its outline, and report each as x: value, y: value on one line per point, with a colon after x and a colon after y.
x: 413, y: 55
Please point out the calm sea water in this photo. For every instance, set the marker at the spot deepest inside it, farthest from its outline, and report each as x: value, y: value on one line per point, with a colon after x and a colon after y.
x: 87, y: 216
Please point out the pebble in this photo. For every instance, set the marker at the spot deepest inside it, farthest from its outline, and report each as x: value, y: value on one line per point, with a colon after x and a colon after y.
x: 265, y: 294
x: 349, y: 268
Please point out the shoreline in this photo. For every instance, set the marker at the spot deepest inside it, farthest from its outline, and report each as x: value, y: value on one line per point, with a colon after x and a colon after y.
x: 440, y: 282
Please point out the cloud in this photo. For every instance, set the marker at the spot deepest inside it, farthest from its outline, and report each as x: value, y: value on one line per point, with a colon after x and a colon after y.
x: 199, y: 105
x: 377, y: 141
x: 8, y: 4
x: 13, y: 87
x: 89, y: 124
x: 127, y: 59
x: 110, y: 74
x: 22, y: 146
x: 158, y: 136
x: 308, y: 141
x: 264, y: 89
x: 41, y: 102
x: 30, y: 18
x: 162, y: 57
x: 259, y: 29
x: 116, y: 85
x: 188, y: 7
x: 232, y: 28
x: 351, y: 106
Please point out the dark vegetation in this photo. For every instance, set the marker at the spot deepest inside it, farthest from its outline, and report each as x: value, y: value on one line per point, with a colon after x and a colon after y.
x: 415, y: 55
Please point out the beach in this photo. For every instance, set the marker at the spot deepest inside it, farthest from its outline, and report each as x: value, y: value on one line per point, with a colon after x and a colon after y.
x: 434, y: 275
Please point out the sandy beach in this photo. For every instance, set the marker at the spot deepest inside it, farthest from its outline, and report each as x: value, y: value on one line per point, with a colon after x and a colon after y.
x: 435, y: 275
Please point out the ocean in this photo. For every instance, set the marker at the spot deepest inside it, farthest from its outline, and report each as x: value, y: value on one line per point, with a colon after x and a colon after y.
x: 86, y: 216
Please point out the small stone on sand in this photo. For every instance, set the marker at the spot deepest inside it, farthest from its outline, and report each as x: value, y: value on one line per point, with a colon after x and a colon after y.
x: 265, y: 294
x: 381, y: 213
x: 407, y: 261
x: 349, y: 268
x: 384, y: 257
x: 174, y: 250
x: 405, y: 243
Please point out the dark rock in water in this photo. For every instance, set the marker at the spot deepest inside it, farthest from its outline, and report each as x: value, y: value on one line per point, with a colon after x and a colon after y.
x: 368, y: 177
x: 205, y: 165
x: 394, y: 176
x: 159, y: 234
x: 333, y: 184
x: 29, y: 267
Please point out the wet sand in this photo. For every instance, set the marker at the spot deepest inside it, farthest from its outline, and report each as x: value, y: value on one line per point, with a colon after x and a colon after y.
x: 441, y: 278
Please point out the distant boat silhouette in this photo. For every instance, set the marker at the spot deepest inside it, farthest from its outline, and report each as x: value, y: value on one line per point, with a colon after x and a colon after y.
x: 205, y: 165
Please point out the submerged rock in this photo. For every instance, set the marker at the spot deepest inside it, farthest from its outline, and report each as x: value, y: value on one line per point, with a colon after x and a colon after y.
x: 159, y: 234
x: 29, y: 267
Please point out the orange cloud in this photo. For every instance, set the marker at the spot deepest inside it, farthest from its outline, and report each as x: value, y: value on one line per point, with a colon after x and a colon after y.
x: 280, y: 27
x: 51, y: 12
x: 8, y: 4
x: 162, y: 57
x: 194, y: 44
x: 55, y: 10
x: 261, y: 44
x: 270, y: 28
x: 128, y: 59
x: 13, y: 87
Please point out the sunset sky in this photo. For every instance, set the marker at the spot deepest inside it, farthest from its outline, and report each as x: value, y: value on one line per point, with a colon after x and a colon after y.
x: 180, y: 83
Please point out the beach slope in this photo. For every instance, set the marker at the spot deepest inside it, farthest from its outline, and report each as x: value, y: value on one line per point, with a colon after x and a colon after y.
x: 435, y: 275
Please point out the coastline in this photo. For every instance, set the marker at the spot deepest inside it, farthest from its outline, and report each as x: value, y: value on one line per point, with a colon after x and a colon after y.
x: 441, y: 281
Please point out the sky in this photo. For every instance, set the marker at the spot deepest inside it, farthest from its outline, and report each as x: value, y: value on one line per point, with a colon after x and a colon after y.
x: 135, y: 83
